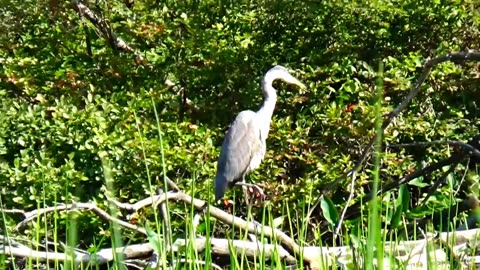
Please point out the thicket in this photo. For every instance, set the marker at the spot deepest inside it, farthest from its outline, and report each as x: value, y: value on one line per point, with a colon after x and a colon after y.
x: 69, y: 100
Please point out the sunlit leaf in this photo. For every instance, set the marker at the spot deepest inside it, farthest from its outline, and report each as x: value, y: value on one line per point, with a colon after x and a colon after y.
x: 329, y: 211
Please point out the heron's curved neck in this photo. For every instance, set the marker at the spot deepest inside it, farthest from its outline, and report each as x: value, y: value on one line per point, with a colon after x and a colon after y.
x: 269, y: 99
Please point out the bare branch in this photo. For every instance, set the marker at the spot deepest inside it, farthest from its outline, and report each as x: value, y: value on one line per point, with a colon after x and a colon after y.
x: 14, y: 211
x: 172, y: 184
x: 438, y: 182
x: 30, y: 216
x: 106, y: 31
x: 226, y: 218
x: 342, y: 216
x: 152, y: 200
x: 165, y: 217
x: 469, y: 149
x: 218, y: 247
x: 101, y: 257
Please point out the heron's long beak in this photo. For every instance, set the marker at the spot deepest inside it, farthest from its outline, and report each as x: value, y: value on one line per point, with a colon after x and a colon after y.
x: 298, y: 83
x: 292, y: 80
x: 301, y: 85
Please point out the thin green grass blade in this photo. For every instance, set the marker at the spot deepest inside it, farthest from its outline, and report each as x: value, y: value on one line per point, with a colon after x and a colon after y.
x: 168, y: 231
x: 374, y: 239
x: 119, y: 258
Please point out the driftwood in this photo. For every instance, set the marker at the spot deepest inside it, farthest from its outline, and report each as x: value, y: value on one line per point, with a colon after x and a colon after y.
x: 461, y: 245
x: 250, y: 249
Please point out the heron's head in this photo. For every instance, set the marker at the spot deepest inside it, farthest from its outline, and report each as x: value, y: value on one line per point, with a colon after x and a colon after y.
x: 281, y: 73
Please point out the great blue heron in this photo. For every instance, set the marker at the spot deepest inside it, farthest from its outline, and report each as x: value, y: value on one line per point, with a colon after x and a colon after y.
x: 244, y: 145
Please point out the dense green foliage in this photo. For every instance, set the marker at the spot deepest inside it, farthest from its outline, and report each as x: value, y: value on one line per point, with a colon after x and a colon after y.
x: 68, y: 99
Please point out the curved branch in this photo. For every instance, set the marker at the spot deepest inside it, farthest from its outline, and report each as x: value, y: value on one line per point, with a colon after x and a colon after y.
x: 30, y: 216
x: 310, y: 257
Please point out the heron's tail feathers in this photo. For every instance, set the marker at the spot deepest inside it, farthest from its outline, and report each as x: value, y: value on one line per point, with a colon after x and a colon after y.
x: 220, y: 186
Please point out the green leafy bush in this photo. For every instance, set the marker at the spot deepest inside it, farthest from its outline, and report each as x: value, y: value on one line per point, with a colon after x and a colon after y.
x: 68, y: 98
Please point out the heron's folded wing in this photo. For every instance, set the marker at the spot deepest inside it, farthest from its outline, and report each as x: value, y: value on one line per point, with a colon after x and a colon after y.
x: 241, y: 142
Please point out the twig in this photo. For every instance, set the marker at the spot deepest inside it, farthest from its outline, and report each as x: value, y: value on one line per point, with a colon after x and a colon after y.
x: 471, y: 150
x: 439, y: 181
x: 350, y: 197
x: 172, y: 184
x: 138, y: 264
x: 165, y: 218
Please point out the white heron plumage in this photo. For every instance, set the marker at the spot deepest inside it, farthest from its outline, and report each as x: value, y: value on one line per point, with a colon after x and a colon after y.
x: 245, y: 145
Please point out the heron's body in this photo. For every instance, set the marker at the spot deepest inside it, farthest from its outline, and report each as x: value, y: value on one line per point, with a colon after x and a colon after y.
x: 245, y: 144
x: 243, y: 150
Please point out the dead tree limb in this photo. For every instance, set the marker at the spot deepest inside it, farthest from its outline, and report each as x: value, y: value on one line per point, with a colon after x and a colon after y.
x: 221, y: 247
x: 101, y: 257
x: 223, y: 216
x: 316, y: 257
x: 251, y: 249
x: 105, y: 30
x: 467, y: 147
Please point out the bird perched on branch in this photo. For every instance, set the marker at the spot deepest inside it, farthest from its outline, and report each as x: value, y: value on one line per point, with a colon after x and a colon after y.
x: 245, y: 145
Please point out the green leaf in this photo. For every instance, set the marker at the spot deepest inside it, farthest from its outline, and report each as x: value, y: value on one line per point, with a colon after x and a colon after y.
x: 418, y: 182
x: 329, y: 210
x: 355, y: 241
x: 154, y: 239
x: 404, y: 197
x: 402, y: 206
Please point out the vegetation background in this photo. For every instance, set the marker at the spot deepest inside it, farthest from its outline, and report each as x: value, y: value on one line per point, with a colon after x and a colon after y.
x: 68, y: 100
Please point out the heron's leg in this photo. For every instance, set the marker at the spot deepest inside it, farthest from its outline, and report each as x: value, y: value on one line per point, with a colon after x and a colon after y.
x: 258, y: 190
x: 245, y: 194
x: 244, y: 189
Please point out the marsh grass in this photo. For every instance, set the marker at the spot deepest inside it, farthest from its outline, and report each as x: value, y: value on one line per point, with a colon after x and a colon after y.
x: 375, y: 240
x: 3, y: 257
